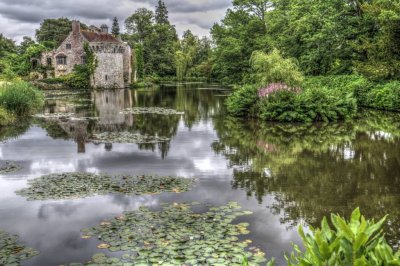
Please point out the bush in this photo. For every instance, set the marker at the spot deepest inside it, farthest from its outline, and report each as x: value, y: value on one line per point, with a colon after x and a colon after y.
x: 76, y: 81
x: 20, y: 98
x: 355, y: 242
x: 242, y: 100
x: 385, y: 97
x: 5, y: 117
x: 311, y: 105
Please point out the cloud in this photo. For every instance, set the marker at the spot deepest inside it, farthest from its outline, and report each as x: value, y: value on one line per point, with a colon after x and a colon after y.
x: 21, y: 17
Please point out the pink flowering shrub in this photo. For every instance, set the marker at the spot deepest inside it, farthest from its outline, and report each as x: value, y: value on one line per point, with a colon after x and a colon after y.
x: 274, y: 87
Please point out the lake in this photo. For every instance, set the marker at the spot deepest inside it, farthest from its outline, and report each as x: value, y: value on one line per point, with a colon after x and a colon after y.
x: 285, y: 174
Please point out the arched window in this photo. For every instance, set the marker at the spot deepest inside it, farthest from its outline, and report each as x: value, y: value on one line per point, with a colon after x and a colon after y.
x: 49, y: 61
x: 61, y: 59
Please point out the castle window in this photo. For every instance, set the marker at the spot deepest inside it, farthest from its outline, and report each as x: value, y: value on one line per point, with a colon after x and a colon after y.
x: 106, y: 78
x: 68, y: 46
x: 83, y: 60
x: 49, y: 61
x: 61, y: 60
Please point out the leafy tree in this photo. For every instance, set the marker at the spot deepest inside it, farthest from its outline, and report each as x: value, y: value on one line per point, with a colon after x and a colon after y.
x: 6, y: 45
x: 236, y: 37
x: 273, y: 68
x: 140, y: 24
x: 139, y: 60
x: 25, y: 44
x: 181, y: 62
x: 193, y: 55
x: 115, y: 27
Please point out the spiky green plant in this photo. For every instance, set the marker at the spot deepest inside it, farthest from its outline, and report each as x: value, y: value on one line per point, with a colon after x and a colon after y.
x: 358, y: 242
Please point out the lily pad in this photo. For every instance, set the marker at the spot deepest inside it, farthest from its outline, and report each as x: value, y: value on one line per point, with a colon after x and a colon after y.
x: 54, y: 116
x: 11, y: 251
x: 81, y: 185
x: 151, y: 110
x: 175, y: 235
x: 126, y: 137
x: 9, y: 167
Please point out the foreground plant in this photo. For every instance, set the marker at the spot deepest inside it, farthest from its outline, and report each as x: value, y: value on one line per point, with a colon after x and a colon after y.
x: 176, y: 235
x: 12, y: 252
x: 357, y: 242
x: 80, y: 185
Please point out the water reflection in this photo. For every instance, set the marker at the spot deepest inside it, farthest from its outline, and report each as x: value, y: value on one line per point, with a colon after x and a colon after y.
x: 314, y: 170
x: 300, y: 173
x: 103, y: 108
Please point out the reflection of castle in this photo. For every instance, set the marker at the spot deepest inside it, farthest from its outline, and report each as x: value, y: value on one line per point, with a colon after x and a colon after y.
x: 107, y: 117
x: 108, y: 105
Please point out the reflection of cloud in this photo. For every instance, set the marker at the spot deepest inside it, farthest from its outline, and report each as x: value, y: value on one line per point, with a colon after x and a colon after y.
x: 64, y: 210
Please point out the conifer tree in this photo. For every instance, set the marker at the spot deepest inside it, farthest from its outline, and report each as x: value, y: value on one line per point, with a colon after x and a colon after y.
x: 161, y: 13
x: 115, y: 27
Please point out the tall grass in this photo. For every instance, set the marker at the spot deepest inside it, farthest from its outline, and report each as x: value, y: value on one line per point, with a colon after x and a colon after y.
x: 20, y: 98
x: 5, y: 117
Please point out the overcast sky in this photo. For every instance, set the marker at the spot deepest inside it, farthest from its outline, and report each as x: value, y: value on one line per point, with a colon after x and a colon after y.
x: 21, y: 17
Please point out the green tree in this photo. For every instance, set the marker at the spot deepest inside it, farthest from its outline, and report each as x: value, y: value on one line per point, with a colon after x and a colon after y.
x: 25, y: 44
x: 140, y: 24
x: 115, y: 27
x: 273, y: 68
x: 161, y: 16
x: 241, y: 32
x: 139, y: 60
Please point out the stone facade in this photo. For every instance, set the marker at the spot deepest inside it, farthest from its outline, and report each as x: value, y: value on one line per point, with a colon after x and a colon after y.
x: 114, y: 57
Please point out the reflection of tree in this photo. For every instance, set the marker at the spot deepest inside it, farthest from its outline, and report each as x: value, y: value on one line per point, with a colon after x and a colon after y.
x: 315, y: 170
x: 14, y: 130
x: 106, y: 107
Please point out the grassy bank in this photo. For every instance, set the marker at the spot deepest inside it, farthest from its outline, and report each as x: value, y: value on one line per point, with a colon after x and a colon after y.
x: 18, y: 99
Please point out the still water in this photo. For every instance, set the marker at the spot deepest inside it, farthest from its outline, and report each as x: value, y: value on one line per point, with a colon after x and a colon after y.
x: 284, y: 174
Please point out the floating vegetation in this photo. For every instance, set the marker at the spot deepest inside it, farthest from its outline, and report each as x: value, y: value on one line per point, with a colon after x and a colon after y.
x: 11, y: 252
x: 80, y: 185
x: 126, y: 137
x: 176, y: 235
x: 9, y: 167
x: 54, y: 116
x: 151, y: 110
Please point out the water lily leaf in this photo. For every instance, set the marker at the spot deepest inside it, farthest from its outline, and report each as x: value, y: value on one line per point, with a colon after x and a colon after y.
x: 80, y: 185
x: 11, y: 251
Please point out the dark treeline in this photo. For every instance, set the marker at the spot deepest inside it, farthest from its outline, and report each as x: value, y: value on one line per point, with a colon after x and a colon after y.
x: 325, y: 37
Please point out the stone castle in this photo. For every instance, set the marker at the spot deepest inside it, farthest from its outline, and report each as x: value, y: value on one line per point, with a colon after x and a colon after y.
x: 114, y: 57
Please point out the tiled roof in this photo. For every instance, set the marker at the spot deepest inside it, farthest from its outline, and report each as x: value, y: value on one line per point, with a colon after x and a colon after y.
x: 98, y: 37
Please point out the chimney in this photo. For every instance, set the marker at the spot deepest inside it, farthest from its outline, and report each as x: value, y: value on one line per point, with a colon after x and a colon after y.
x: 104, y: 28
x: 76, y: 27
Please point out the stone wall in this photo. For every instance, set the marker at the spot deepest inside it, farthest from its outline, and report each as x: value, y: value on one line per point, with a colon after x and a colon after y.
x: 109, y: 72
x: 74, y: 55
x: 127, y: 64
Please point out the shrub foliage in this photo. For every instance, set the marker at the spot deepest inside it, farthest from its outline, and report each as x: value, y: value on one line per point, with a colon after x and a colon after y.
x: 20, y: 98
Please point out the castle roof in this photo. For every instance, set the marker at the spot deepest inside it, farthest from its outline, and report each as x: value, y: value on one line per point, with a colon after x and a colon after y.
x: 98, y: 37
